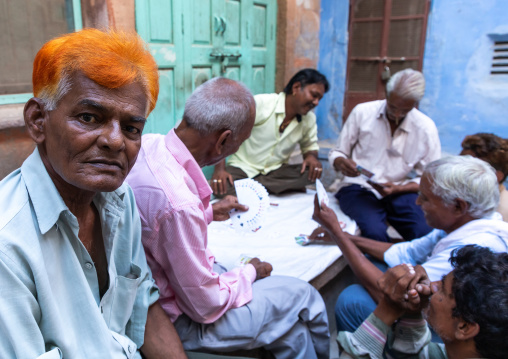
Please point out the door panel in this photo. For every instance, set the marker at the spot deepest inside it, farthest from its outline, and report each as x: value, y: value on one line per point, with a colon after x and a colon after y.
x: 156, y: 24
x: 383, y: 34
x: 195, y: 40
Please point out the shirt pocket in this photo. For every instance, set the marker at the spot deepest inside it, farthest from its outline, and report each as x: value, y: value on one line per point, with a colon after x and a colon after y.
x: 119, y: 305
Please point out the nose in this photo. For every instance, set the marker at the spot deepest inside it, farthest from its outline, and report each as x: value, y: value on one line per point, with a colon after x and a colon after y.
x: 418, y: 200
x: 111, y: 137
x: 315, y: 102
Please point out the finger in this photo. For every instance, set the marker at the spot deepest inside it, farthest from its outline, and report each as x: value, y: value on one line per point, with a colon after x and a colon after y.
x: 320, y: 173
x: 222, y: 186
x: 240, y: 207
x: 304, y: 164
x: 423, y: 289
x: 214, y: 186
x: 230, y: 179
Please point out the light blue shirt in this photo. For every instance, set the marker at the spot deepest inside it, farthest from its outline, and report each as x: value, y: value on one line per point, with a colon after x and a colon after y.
x: 433, y: 250
x: 50, y: 305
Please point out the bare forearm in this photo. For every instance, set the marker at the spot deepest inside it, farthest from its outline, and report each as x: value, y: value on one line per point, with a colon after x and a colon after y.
x: 408, y: 187
x: 374, y: 248
x: 366, y: 272
x: 220, y: 165
x: 310, y: 153
x: 161, y: 338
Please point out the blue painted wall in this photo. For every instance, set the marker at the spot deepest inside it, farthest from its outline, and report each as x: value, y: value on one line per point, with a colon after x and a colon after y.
x: 333, y: 39
x: 461, y: 96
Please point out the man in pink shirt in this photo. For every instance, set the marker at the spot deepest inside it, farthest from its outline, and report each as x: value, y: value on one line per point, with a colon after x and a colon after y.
x: 212, y: 308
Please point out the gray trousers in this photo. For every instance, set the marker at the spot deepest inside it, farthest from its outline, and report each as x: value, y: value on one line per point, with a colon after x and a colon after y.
x: 286, y: 316
x: 285, y: 178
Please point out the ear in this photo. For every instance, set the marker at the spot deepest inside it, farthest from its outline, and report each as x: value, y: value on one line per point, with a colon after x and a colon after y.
x: 461, y: 206
x: 466, y: 331
x: 500, y: 176
x: 296, y: 87
x: 224, y: 136
x: 35, y: 116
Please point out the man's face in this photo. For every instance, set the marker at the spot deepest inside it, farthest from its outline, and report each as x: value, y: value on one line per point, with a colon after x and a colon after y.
x: 439, y: 312
x: 437, y: 213
x: 92, y: 139
x: 397, y: 107
x: 307, y: 97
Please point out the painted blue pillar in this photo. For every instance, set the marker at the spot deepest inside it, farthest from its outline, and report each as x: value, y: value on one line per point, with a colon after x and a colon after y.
x: 333, y: 40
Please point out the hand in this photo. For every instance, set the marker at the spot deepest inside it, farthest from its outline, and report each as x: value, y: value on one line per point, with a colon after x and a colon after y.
x: 403, y: 289
x: 222, y: 208
x: 385, y: 189
x: 315, y: 167
x: 218, y: 182
x: 346, y: 166
x: 263, y: 269
x: 326, y: 217
x: 321, y: 234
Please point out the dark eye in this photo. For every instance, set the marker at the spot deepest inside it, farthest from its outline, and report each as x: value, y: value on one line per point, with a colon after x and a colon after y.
x: 132, y: 129
x: 88, y: 118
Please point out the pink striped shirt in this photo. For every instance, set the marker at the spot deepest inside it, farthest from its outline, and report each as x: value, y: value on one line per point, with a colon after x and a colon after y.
x: 173, y: 198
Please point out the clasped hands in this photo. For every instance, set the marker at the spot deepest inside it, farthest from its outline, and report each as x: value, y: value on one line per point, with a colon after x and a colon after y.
x: 406, y: 289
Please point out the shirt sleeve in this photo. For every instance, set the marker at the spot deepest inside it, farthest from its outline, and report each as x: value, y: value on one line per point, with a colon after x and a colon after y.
x: 410, y: 338
x: 180, y: 249
x: 20, y: 314
x: 414, y: 252
x: 309, y: 136
x: 367, y: 341
x: 433, y: 152
x: 147, y: 292
x: 347, y: 138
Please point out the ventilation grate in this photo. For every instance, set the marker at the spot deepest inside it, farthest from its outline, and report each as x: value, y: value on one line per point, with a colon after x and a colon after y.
x: 500, y: 58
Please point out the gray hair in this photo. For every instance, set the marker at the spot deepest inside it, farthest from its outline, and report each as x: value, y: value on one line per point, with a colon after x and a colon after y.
x: 408, y: 84
x: 467, y: 178
x: 51, y: 100
x: 219, y: 104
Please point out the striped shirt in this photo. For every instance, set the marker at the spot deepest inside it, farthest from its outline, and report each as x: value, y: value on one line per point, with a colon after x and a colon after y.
x: 173, y: 199
x: 409, y: 338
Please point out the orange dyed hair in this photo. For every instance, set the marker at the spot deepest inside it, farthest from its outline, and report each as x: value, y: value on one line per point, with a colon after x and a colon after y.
x: 111, y: 59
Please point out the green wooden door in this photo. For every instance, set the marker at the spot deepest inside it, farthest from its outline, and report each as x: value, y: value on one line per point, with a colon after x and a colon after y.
x: 195, y: 40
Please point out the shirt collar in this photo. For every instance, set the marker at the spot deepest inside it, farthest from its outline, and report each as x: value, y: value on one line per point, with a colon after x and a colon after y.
x: 404, y: 126
x: 280, y: 107
x: 47, y: 202
x: 183, y: 156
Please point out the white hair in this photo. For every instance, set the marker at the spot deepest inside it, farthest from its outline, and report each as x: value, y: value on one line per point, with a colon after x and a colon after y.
x: 51, y: 100
x: 408, y: 84
x: 467, y: 178
x: 219, y: 104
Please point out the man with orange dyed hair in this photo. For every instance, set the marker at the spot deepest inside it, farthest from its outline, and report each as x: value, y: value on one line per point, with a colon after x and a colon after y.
x: 73, y: 273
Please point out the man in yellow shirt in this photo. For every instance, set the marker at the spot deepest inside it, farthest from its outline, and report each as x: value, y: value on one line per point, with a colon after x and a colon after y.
x: 282, y: 121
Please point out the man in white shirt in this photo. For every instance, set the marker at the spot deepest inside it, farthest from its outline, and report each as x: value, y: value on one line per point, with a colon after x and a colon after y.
x: 459, y: 196
x: 394, y: 141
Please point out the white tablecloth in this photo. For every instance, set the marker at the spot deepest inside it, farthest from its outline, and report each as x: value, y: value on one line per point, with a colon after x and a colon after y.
x: 275, y: 241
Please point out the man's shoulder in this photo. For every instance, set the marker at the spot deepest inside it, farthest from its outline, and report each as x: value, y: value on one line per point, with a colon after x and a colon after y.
x: 421, y: 120
x: 13, y: 197
x: 368, y: 110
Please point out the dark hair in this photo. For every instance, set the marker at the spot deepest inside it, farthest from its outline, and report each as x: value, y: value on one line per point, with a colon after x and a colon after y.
x: 490, y: 148
x: 307, y: 77
x: 480, y: 288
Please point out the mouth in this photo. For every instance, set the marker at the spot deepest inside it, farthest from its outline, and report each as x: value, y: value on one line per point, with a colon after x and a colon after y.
x: 107, y: 164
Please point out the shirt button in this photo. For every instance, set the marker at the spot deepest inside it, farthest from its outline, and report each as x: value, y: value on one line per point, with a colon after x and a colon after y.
x: 131, y: 349
x: 88, y: 265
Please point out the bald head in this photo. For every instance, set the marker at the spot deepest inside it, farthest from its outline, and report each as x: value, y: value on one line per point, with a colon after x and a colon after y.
x: 219, y: 104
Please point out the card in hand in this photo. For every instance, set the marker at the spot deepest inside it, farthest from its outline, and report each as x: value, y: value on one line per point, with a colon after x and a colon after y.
x: 321, y: 193
x: 365, y: 172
